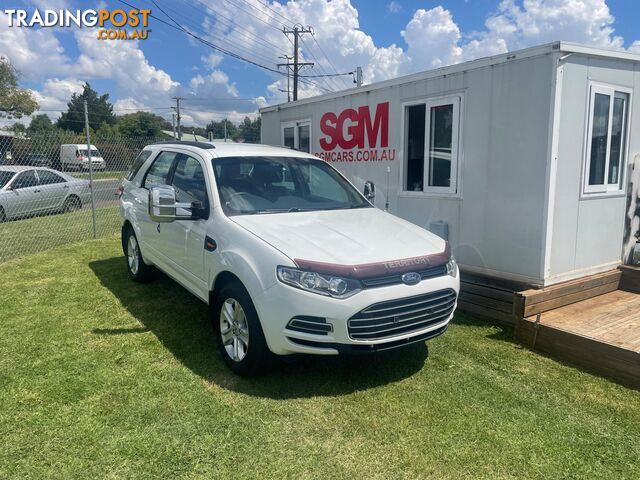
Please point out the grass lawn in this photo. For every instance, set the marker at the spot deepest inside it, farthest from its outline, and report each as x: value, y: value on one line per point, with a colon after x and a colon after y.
x: 31, y: 235
x: 109, y: 175
x: 104, y: 378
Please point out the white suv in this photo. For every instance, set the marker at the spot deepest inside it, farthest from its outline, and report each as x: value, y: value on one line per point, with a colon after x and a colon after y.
x: 288, y: 254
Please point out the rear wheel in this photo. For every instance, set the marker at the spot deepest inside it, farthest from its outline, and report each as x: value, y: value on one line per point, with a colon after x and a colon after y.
x: 137, y: 269
x: 72, y: 204
x: 240, y: 338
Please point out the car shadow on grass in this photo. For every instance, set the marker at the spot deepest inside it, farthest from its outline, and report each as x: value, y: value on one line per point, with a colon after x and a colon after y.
x: 181, y: 323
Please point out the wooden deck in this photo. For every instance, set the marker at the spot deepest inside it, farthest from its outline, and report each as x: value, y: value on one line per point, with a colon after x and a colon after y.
x: 601, y: 333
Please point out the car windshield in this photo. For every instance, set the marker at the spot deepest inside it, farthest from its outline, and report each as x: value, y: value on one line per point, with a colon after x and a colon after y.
x: 253, y: 185
x: 5, y: 177
x: 94, y: 153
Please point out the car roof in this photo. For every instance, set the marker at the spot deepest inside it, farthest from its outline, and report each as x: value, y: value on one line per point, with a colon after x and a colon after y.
x: 15, y: 168
x: 229, y: 149
x: 22, y: 168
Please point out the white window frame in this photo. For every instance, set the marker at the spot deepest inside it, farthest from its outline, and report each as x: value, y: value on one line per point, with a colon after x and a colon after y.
x: 295, y: 124
x: 453, y: 190
x: 606, y: 189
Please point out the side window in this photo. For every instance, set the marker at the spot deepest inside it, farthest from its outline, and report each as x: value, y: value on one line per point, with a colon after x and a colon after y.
x: 297, y: 135
x: 431, y: 139
x: 189, y: 182
x: 49, y: 178
x: 137, y: 164
x: 606, y: 141
x: 159, y: 171
x: 25, y: 180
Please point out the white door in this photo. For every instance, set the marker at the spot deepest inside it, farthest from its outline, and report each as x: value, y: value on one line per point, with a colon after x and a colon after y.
x: 157, y: 174
x: 25, y: 194
x: 182, y: 242
x: 53, y: 190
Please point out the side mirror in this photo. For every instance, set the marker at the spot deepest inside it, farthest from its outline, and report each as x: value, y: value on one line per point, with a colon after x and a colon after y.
x: 163, y: 207
x: 369, y: 191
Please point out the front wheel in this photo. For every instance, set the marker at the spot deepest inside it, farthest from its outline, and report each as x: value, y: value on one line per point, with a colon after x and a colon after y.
x: 239, y: 334
x: 137, y: 269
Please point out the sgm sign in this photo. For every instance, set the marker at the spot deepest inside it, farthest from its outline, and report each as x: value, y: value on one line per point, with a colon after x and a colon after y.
x: 359, y: 135
x: 103, y: 18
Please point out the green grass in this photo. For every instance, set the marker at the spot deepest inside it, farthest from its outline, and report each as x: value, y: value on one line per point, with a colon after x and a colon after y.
x: 100, y: 175
x: 24, y: 237
x: 104, y: 378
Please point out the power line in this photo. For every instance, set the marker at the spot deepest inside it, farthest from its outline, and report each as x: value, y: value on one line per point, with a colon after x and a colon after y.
x: 266, y: 46
x: 179, y: 26
x: 218, y: 48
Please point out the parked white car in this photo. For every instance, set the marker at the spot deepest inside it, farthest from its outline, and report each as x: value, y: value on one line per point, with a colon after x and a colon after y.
x: 76, y: 157
x: 28, y: 191
x: 288, y: 254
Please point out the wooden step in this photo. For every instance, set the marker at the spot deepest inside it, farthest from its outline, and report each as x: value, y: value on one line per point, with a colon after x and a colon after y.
x: 630, y: 280
x: 533, y: 301
x: 594, y: 355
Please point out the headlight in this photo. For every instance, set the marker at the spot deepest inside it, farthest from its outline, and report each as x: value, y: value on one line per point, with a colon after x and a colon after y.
x: 452, y: 267
x: 322, y: 284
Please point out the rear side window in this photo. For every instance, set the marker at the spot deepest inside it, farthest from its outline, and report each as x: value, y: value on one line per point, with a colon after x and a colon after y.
x: 137, y: 164
x: 159, y: 171
x: 48, y: 178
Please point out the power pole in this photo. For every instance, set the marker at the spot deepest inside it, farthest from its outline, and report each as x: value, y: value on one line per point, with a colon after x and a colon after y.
x: 93, y: 197
x: 288, y: 66
x: 173, y: 124
x: 359, y: 76
x: 297, y: 31
x: 177, y: 108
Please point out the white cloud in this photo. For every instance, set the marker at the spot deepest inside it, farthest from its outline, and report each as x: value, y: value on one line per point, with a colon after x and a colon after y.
x: 394, y: 7
x: 55, y: 94
x: 35, y: 53
x: 432, y: 37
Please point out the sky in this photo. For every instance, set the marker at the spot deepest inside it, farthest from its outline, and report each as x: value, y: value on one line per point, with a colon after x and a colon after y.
x: 387, y: 38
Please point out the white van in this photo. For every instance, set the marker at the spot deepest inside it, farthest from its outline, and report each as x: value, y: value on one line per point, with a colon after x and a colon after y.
x: 75, y: 156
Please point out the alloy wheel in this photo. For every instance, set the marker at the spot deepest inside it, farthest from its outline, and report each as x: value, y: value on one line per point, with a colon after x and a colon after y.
x: 133, y: 255
x: 234, y: 330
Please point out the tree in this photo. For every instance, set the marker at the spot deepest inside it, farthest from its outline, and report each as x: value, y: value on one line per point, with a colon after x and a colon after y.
x: 100, y: 111
x: 218, y: 129
x: 140, y: 124
x: 249, y: 130
x: 14, y: 101
x: 40, y: 124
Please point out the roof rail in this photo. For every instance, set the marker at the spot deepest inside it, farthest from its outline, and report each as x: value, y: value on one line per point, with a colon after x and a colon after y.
x: 190, y: 143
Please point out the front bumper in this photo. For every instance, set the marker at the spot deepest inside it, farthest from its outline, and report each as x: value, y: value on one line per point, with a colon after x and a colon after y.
x: 280, y: 303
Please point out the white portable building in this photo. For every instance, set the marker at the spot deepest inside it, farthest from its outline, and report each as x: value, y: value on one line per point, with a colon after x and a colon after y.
x: 524, y: 160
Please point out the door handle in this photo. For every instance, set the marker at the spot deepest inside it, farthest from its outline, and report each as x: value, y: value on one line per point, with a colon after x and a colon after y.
x: 66, y: 187
x: 37, y: 190
x: 158, y: 228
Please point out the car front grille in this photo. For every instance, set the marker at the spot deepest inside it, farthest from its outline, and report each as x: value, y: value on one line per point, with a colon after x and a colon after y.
x: 384, y: 281
x: 398, y: 317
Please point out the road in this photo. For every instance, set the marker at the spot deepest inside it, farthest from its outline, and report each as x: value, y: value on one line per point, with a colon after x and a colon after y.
x: 105, y: 192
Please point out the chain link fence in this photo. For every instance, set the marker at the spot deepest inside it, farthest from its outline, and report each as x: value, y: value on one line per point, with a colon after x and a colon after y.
x: 46, y: 184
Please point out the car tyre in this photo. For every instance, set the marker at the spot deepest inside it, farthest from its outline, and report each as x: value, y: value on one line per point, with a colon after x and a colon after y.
x: 72, y: 204
x: 136, y: 268
x: 3, y: 216
x: 238, y: 332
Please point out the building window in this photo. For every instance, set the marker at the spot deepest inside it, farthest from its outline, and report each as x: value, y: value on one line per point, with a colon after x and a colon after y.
x: 297, y: 135
x: 606, y: 140
x: 431, y: 153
